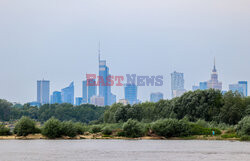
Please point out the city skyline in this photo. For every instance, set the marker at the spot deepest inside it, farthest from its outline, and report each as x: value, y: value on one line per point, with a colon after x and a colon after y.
x: 59, y: 42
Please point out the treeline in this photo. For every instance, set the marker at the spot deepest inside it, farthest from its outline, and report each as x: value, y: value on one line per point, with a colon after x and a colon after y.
x: 209, y: 105
x: 64, y: 112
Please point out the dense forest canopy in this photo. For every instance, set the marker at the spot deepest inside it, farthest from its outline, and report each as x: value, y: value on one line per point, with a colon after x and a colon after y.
x: 209, y: 105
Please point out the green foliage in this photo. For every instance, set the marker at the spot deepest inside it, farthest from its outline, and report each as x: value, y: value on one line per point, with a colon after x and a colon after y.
x: 243, y: 127
x: 80, y: 128
x: 107, y: 130
x: 232, y: 135
x: 68, y: 129
x: 171, y: 128
x: 196, y: 129
x: 245, y: 138
x: 25, y: 126
x: 96, y: 129
x: 133, y: 128
x: 52, y: 128
x: 4, y: 131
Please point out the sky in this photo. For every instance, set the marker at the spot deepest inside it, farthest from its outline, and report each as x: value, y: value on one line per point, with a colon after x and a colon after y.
x: 58, y: 40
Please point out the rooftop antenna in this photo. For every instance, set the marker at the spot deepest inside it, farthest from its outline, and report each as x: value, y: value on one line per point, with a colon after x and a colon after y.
x: 99, y: 51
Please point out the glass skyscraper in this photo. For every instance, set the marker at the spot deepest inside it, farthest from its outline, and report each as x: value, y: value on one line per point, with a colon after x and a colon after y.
x: 88, y: 90
x: 156, y: 97
x: 243, y: 84
x: 68, y: 94
x: 131, y: 93
x: 177, y: 84
x: 43, y: 88
x: 56, y: 97
x: 203, y: 85
x: 78, y: 101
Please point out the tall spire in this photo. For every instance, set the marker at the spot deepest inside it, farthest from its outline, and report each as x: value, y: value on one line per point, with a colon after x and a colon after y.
x: 214, y: 70
x: 99, y: 51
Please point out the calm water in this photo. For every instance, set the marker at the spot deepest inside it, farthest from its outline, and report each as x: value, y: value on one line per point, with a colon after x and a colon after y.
x: 123, y: 150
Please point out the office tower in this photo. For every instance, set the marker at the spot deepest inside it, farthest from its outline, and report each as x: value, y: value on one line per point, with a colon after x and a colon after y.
x: 177, y: 84
x: 97, y: 100
x: 112, y: 99
x: 68, y: 94
x: 213, y: 82
x: 88, y: 90
x: 156, y: 97
x: 79, y: 101
x: 43, y: 87
x: 104, y: 86
x: 56, y: 97
x: 194, y: 88
x: 241, y: 88
x: 131, y: 93
x: 203, y: 86
x: 243, y: 84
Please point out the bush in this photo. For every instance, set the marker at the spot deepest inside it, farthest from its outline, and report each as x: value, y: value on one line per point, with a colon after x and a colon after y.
x: 25, y: 126
x: 80, y: 128
x: 245, y: 138
x: 52, y: 128
x: 133, y: 129
x: 171, y: 128
x: 196, y: 129
x: 69, y: 129
x: 107, y: 130
x: 4, y: 131
x: 96, y: 129
x: 243, y: 127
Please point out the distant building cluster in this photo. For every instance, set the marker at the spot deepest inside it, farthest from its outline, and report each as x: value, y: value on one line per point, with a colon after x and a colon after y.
x: 105, y: 97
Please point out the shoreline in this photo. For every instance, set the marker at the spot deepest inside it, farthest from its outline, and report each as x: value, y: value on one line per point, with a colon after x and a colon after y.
x: 99, y: 136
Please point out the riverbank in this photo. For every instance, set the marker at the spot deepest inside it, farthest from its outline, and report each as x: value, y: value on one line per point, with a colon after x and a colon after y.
x: 100, y: 136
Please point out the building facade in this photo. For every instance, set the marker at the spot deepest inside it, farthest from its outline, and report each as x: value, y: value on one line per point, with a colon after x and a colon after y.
x: 177, y: 84
x: 56, y: 97
x: 214, y: 83
x: 156, y: 97
x: 79, y: 101
x: 43, y: 89
x: 88, y: 90
x: 130, y: 93
x: 68, y: 94
x: 97, y: 100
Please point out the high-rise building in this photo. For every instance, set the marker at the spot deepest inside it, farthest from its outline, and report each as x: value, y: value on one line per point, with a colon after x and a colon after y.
x: 88, y: 90
x: 112, y: 99
x: 241, y: 88
x: 97, y: 100
x: 43, y: 88
x: 56, y: 97
x: 156, y: 97
x: 131, y: 93
x: 79, y: 101
x: 68, y: 94
x: 243, y: 84
x: 203, y: 86
x: 177, y: 84
x: 213, y: 83
x: 194, y: 88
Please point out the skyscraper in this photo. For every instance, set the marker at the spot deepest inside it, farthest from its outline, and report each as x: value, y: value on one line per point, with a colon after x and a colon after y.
x: 88, y: 90
x: 177, y: 84
x: 68, y: 94
x: 213, y: 82
x: 243, y: 84
x: 130, y: 93
x: 78, y: 101
x: 97, y: 100
x: 43, y: 88
x: 56, y: 97
x: 241, y: 88
x: 156, y: 97
x: 203, y: 85
x: 104, y: 86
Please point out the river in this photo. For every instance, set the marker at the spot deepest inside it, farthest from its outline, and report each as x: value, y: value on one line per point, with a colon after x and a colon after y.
x: 123, y: 150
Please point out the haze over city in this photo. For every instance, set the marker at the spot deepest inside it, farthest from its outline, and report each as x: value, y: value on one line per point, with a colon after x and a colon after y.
x: 59, y: 42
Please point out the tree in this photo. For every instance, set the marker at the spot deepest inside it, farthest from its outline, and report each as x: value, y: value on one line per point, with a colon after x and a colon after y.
x: 133, y: 128
x: 52, y: 128
x: 25, y: 126
x: 243, y: 127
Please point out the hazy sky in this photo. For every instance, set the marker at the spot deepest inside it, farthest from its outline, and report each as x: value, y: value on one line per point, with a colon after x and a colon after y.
x: 57, y: 40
